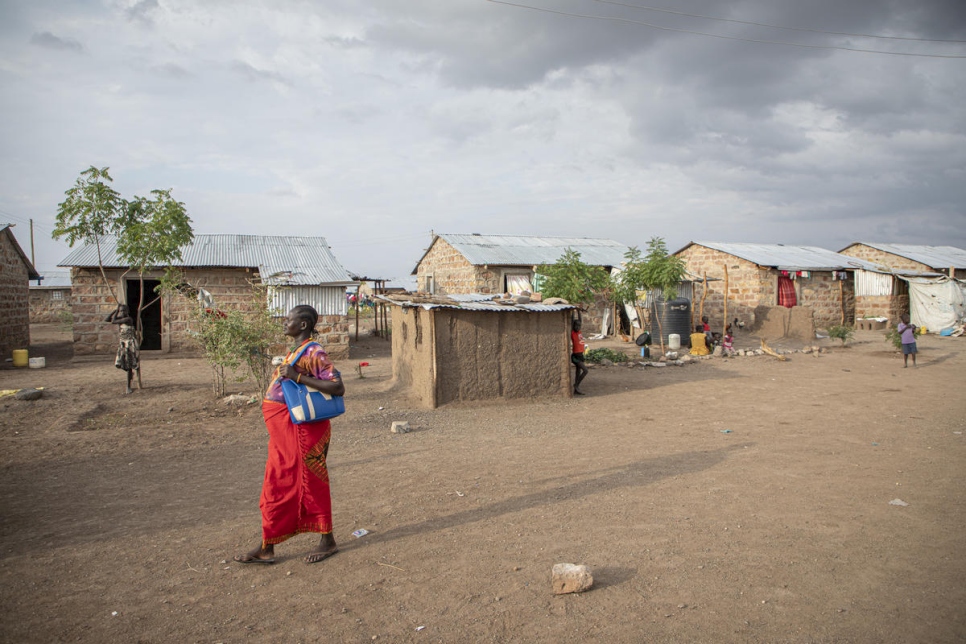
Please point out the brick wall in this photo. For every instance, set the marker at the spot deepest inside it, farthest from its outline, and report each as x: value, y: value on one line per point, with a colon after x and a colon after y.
x: 14, y: 299
x: 883, y: 258
x: 750, y: 286
x: 45, y: 307
x: 91, y: 303
x: 450, y: 270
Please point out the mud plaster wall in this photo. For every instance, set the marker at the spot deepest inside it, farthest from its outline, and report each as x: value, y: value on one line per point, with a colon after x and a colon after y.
x: 91, y: 302
x: 45, y: 308
x: 443, y: 355
x: 776, y: 322
x: 412, y: 354
x: 486, y: 355
x: 14, y: 299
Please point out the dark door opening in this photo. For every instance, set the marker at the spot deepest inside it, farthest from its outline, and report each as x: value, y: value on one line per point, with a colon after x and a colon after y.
x: 150, y: 316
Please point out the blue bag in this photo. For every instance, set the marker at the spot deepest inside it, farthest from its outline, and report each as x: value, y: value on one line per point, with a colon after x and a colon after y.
x: 306, y: 404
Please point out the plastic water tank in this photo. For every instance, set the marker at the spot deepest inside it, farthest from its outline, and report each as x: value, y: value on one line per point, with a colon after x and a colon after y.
x: 675, y: 317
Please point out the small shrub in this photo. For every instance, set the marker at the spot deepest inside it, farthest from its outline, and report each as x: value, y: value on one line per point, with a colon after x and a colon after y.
x: 597, y: 355
x: 65, y: 320
x: 841, y: 332
x: 893, y: 336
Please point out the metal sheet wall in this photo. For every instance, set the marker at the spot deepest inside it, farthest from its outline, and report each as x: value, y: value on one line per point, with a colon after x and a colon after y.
x: 327, y: 300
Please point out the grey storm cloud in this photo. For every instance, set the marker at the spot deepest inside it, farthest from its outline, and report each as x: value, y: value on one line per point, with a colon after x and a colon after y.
x: 48, y: 40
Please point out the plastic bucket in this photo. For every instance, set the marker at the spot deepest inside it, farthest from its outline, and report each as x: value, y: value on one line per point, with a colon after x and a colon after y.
x: 20, y: 358
x: 674, y: 342
x: 38, y: 363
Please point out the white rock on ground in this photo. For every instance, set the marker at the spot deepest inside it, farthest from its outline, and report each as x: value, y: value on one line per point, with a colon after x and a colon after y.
x: 571, y: 578
x: 399, y: 427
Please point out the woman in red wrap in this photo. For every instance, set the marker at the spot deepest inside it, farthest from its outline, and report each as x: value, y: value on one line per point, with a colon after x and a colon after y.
x: 295, y: 493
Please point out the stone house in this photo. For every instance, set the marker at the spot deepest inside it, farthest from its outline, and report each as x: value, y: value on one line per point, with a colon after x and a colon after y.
x: 16, y: 271
x: 884, y: 293
x: 495, y: 264
x: 297, y: 270
x: 50, y: 298
x: 762, y: 276
x: 468, y: 348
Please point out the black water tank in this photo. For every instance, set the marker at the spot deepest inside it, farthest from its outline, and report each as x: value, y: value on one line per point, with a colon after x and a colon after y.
x: 675, y: 318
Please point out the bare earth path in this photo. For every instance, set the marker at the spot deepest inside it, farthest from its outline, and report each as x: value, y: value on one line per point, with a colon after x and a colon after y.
x: 119, y: 515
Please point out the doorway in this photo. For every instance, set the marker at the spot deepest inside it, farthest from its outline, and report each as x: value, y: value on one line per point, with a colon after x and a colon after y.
x: 150, y: 316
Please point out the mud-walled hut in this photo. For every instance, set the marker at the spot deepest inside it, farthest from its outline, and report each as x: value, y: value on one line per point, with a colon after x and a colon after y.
x: 469, y: 348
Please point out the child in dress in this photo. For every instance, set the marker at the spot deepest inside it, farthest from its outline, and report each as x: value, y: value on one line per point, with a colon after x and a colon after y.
x: 908, y: 333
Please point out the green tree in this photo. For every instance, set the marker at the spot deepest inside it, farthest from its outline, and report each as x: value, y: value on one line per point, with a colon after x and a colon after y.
x: 150, y: 232
x: 91, y: 210
x: 153, y: 233
x: 663, y: 271
x: 573, y: 280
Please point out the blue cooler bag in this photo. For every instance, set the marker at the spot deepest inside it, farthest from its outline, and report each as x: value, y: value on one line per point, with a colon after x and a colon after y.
x: 306, y: 404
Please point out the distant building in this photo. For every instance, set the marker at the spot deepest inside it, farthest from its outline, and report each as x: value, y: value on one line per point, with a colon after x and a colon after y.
x: 50, y: 298
x: 761, y: 276
x: 495, y: 264
x: 299, y: 270
x: 16, y: 270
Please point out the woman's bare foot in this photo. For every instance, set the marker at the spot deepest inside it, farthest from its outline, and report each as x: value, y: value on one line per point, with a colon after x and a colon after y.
x: 325, y: 549
x: 260, y: 555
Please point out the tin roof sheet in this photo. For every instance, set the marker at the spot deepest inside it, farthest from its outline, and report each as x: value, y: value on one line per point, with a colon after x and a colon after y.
x: 936, y: 257
x: 279, y: 260
x: 470, y: 302
x: 515, y: 250
x: 797, y: 258
x: 52, y: 280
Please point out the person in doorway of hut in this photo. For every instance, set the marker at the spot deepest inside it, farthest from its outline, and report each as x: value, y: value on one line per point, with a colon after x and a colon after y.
x: 699, y: 341
x: 577, y: 355
x: 129, y: 348
x: 295, y: 492
x: 908, y: 333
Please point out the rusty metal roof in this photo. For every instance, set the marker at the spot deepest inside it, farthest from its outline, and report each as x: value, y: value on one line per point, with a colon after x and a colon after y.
x: 279, y: 260
x: 516, y: 250
x: 935, y: 257
x: 788, y: 258
x: 469, y: 302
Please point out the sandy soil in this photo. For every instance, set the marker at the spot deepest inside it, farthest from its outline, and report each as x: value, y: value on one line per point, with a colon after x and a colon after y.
x: 734, y: 500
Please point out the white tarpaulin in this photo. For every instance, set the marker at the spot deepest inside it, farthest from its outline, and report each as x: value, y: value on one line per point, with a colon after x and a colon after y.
x: 936, y: 303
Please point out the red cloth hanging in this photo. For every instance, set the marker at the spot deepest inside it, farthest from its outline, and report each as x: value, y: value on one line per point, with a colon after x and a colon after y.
x: 786, y: 292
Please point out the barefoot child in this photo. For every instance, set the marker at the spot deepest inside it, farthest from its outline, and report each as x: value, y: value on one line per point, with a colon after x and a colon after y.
x: 908, y: 333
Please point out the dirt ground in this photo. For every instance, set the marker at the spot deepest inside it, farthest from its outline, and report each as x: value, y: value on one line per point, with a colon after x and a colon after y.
x: 733, y: 500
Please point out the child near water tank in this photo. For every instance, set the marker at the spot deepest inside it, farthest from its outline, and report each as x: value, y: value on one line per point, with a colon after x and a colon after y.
x: 699, y: 341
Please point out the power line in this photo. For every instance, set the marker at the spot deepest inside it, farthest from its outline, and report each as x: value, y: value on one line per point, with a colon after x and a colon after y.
x: 765, y: 24
x: 710, y: 35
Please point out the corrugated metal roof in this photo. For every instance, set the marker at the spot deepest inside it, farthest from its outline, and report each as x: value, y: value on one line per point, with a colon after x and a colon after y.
x: 935, y: 257
x: 279, y: 260
x: 510, y: 250
x: 475, y: 302
x: 789, y: 258
x: 52, y: 281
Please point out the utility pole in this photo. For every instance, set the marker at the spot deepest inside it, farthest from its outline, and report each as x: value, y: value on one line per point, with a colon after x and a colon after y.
x: 32, y: 261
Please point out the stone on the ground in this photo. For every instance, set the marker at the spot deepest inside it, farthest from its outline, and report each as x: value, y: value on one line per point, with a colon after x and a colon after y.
x: 29, y: 394
x: 687, y: 358
x: 718, y: 351
x: 399, y: 426
x: 236, y: 399
x: 806, y: 349
x: 604, y: 362
x: 571, y: 578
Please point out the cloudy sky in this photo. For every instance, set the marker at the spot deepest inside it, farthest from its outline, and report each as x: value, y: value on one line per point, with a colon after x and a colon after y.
x: 374, y: 123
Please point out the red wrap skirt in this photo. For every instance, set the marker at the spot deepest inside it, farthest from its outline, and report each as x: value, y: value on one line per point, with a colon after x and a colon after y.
x: 295, y: 493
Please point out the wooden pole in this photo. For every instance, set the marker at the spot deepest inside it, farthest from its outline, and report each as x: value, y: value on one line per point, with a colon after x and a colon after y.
x: 34, y: 262
x: 357, y: 310
x: 842, y: 298
x: 725, y: 331
x: 704, y: 294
